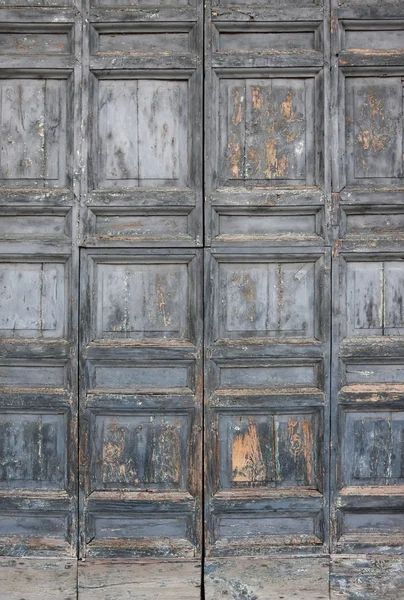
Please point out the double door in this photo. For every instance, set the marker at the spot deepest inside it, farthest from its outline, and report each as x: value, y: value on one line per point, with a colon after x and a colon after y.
x: 201, y: 282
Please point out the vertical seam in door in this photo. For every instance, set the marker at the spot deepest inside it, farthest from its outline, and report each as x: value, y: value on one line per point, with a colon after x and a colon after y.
x: 203, y: 42
x: 330, y: 168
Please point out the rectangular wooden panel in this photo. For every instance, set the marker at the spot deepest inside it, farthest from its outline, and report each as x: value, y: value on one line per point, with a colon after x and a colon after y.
x: 141, y: 416
x: 372, y: 448
x: 32, y: 451
x: 153, y: 376
x: 142, y: 41
x: 33, y: 121
x: 264, y: 37
x: 26, y: 224
x: 137, y: 452
x: 266, y: 400
x: 25, y: 39
x: 33, y: 300
x: 264, y: 129
x: 261, y: 450
x: 271, y: 297
x: 142, y: 129
x: 374, y: 129
x: 143, y: 96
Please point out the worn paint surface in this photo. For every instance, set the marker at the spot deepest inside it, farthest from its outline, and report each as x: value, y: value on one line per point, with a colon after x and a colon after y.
x: 267, y: 579
x: 266, y: 125
x: 101, y: 163
x: 367, y: 578
x: 268, y: 451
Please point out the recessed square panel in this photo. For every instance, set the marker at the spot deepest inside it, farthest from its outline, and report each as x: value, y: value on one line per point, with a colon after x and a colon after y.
x: 374, y: 298
x: 142, y: 133
x: 373, y: 448
x: 143, y: 301
x: 141, y: 451
x: 266, y: 131
x: 268, y: 298
x: 33, y: 130
x: 264, y: 450
x: 33, y: 299
x: 32, y: 450
x: 374, y: 130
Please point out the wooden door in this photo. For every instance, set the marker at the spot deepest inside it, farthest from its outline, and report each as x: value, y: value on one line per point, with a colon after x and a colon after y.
x: 368, y: 280
x: 101, y: 186
x: 39, y: 273
x: 267, y: 324
x: 141, y: 283
x: 201, y: 283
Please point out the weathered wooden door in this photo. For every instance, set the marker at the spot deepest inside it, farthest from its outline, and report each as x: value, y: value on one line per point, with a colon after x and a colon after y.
x: 101, y: 280
x: 268, y: 296
x: 201, y: 326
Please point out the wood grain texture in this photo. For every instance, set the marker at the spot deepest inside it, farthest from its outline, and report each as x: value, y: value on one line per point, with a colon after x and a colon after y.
x: 141, y: 433
x: 367, y: 400
x: 45, y: 579
x: 367, y: 578
x: 113, y: 580
x: 41, y: 151
x: 115, y: 124
x: 267, y: 579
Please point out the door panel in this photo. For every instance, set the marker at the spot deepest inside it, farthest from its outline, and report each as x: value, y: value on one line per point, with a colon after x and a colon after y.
x: 267, y: 328
x: 266, y: 384
x: 141, y: 413
x: 367, y: 396
x: 141, y: 311
x: 40, y: 95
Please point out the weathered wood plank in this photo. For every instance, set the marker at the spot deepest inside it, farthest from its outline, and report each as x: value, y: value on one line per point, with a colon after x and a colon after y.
x: 38, y: 579
x: 267, y: 579
x: 152, y: 580
x: 367, y: 578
